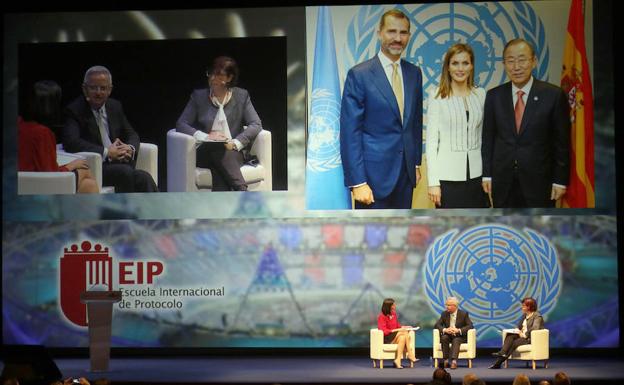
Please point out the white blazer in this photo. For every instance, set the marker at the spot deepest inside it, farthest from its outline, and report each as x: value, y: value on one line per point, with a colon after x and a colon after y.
x: 451, y: 139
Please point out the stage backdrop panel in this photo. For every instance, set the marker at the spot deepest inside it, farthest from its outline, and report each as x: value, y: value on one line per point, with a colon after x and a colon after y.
x: 309, y: 283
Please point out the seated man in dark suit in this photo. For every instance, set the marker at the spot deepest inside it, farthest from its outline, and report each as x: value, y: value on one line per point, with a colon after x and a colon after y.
x: 96, y: 123
x: 453, y: 326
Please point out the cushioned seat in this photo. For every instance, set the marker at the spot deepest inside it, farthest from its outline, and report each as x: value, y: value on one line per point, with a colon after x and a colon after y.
x: 184, y: 175
x: 467, y: 350
x: 380, y: 351
x: 537, y: 350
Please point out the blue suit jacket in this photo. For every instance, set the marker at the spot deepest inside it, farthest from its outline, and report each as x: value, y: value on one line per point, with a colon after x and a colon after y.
x: 373, y: 142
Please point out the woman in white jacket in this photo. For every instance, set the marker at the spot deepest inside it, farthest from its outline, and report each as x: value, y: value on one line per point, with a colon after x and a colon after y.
x: 454, y: 124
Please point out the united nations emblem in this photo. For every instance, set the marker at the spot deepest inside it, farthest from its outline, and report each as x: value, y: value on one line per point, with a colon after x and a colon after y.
x: 434, y: 27
x: 490, y: 268
x: 324, y: 131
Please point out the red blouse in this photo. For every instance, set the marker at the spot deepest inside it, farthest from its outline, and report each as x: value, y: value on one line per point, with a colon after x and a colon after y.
x: 387, y: 323
x: 36, y: 147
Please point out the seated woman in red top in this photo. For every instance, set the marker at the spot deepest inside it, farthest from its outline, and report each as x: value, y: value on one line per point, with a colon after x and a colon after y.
x: 394, y: 333
x: 36, y: 149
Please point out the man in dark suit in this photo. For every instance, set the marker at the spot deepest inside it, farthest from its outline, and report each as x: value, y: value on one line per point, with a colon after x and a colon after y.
x: 526, y: 135
x: 96, y: 123
x: 381, y: 122
x: 453, y: 326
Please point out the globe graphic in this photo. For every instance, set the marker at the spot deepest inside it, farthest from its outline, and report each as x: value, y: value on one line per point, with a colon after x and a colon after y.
x: 435, y: 27
x: 324, y: 131
x: 490, y: 268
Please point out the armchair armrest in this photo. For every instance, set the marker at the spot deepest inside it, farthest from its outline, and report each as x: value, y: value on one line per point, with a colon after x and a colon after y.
x: 95, y: 165
x: 147, y: 159
x: 540, y: 343
x: 37, y: 182
x: 376, y: 343
x: 181, y: 162
x: 472, y: 342
x: 262, y: 149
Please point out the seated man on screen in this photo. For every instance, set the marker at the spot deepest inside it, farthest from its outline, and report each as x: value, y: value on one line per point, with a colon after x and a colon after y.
x: 453, y: 326
x: 96, y: 123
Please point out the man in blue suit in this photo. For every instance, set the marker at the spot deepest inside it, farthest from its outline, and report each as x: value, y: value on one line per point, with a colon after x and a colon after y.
x: 381, y: 122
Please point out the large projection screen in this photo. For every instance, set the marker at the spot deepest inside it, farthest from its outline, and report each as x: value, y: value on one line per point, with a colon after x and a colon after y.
x: 261, y: 269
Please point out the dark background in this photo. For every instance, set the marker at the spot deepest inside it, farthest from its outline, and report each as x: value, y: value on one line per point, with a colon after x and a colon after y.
x: 154, y: 80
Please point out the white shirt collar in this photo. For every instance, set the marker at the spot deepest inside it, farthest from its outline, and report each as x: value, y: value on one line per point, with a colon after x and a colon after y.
x: 386, y: 62
x: 526, y: 89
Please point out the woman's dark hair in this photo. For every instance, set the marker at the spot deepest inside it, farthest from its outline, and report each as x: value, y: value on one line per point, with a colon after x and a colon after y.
x: 386, y: 307
x: 530, y: 303
x: 44, y: 103
x: 225, y: 65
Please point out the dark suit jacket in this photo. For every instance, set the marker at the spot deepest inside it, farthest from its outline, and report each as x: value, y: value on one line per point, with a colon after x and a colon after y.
x: 541, y: 150
x: 536, y: 322
x: 373, y: 140
x: 81, y: 132
x: 462, y: 322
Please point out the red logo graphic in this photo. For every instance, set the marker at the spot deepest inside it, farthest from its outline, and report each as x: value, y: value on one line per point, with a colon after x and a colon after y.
x: 80, y: 270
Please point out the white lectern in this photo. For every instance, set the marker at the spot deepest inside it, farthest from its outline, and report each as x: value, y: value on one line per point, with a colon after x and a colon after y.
x: 99, y: 319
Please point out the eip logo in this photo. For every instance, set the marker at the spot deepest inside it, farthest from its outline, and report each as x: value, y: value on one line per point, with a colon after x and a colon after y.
x: 81, y: 269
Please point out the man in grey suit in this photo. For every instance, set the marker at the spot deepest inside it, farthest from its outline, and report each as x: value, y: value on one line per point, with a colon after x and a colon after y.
x: 96, y: 123
x: 526, y: 135
x: 453, y: 326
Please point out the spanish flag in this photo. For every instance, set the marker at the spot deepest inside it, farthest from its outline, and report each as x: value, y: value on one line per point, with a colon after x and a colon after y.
x: 576, y: 82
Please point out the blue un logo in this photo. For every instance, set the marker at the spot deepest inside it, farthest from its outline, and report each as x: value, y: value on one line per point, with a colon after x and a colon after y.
x: 435, y: 27
x: 490, y: 268
x: 324, y: 122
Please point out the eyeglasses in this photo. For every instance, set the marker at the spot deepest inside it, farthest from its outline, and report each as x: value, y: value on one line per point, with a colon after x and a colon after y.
x: 521, y: 62
x: 94, y: 88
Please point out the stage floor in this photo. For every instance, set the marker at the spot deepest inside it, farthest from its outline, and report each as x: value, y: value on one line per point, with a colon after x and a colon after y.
x: 335, y: 370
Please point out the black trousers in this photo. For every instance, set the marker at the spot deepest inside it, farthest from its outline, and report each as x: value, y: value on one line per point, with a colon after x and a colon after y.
x: 125, y: 178
x: 463, y: 194
x: 515, y: 198
x: 224, y: 165
x: 512, y: 341
x: 451, y: 351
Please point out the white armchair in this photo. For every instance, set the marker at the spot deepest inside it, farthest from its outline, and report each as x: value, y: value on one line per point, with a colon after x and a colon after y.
x: 380, y: 351
x: 148, y: 159
x: 58, y: 182
x: 537, y: 350
x: 65, y: 183
x: 467, y: 351
x: 184, y: 175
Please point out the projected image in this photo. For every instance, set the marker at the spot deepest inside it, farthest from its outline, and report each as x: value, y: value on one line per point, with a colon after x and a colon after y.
x: 310, y: 283
x: 425, y: 135
x: 154, y: 85
x: 123, y: 101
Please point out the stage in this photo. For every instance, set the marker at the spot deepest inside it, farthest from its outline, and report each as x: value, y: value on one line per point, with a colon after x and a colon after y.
x: 328, y: 370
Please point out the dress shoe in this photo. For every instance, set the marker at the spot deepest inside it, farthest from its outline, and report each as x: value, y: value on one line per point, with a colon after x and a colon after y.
x: 454, y: 364
x: 494, y: 366
x: 397, y: 364
x: 498, y: 354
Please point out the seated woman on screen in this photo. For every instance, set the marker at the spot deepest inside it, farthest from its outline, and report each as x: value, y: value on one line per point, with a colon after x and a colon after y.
x: 454, y: 125
x: 394, y: 333
x: 531, y: 320
x: 221, y: 113
x: 36, y: 149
